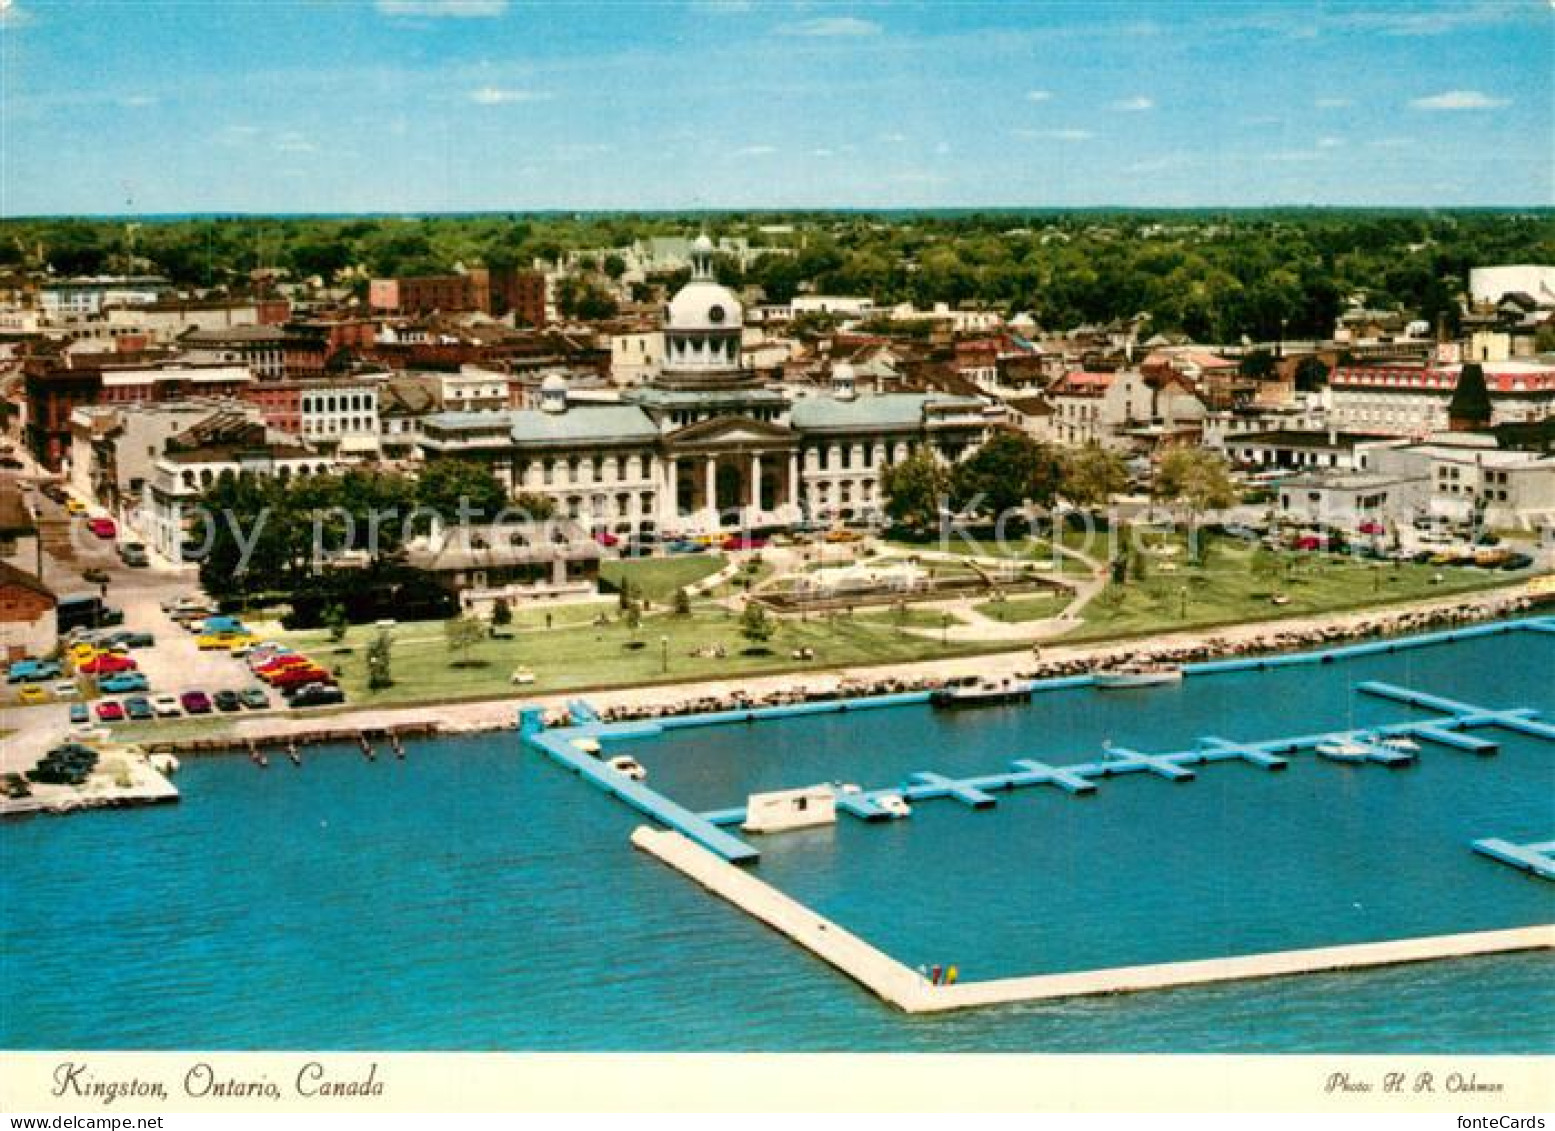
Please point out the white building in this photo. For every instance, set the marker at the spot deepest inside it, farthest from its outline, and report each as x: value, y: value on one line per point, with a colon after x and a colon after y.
x: 89, y: 297
x: 1488, y: 284
x: 341, y: 417
x: 636, y: 357
x: 1413, y: 400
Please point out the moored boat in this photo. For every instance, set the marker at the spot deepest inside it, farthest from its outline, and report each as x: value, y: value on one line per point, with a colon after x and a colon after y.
x: 1343, y: 751
x: 1137, y: 675
x: 980, y: 691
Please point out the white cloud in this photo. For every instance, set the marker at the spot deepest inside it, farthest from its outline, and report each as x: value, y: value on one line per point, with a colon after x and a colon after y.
x: 830, y: 27
x: 1056, y: 135
x: 1333, y: 103
x: 1135, y: 105
x: 1459, y: 100
x: 1038, y: 95
x: 496, y: 96
x: 453, y: 9
x: 756, y: 150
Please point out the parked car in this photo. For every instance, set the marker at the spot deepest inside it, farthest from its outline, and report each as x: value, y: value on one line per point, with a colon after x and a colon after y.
x: 122, y: 682
x: 166, y: 706
x: 65, y: 689
x: 129, y: 638
x: 107, y: 663
x: 109, y: 711
x: 683, y: 546
x: 195, y: 702
x: 255, y: 698
x: 1372, y: 526
x: 79, y: 713
x: 1516, y: 560
x: 296, y: 677
x: 74, y: 505
x: 606, y: 539
x: 227, y: 700
x: 224, y: 641
x: 133, y: 554
x: 281, y: 663
x: 744, y: 542
x: 139, y: 708
x: 32, y: 693
x: 102, y: 527
x: 316, y: 695
x: 96, y: 575
x: 32, y: 671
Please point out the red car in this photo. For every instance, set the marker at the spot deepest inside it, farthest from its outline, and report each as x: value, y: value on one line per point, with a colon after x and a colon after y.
x: 102, y: 527
x: 606, y: 539
x: 296, y: 677
x: 281, y: 663
x: 1372, y: 526
x: 108, y: 663
x: 744, y: 542
x: 109, y: 711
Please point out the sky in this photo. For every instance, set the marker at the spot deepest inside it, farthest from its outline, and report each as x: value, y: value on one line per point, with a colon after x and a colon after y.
x: 146, y: 106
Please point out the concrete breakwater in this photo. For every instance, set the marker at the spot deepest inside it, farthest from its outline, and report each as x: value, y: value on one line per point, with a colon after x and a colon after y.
x: 909, y: 991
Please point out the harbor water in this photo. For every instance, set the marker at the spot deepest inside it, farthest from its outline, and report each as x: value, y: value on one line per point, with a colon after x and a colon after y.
x: 475, y: 896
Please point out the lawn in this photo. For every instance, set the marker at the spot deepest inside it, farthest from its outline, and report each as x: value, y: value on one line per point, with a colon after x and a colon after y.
x: 910, y: 617
x: 1228, y: 592
x: 1018, y: 610
x: 586, y: 656
x: 658, y: 578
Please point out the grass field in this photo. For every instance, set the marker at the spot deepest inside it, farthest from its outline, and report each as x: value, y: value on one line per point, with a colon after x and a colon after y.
x: 1018, y: 610
x: 587, y: 655
x: 1228, y: 592
x: 658, y: 578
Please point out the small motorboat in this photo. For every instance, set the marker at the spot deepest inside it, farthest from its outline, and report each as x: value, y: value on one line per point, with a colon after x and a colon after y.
x: 1343, y: 751
x: 587, y: 745
x: 980, y: 691
x: 1400, y: 742
x: 1137, y: 675
x: 628, y: 767
x: 894, y: 805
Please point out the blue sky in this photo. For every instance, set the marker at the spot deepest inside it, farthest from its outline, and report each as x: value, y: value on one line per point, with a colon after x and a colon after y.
x: 421, y: 105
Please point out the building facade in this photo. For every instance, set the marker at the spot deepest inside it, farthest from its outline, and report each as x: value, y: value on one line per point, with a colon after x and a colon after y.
x: 706, y: 444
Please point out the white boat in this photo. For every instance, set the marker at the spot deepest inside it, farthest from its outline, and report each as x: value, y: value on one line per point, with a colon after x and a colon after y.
x: 1343, y: 751
x: 1137, y: 675
x: 1401, y: 742
x: 788, y: 809
x: 894, y: 805
x: 628, y: 767
x: 980, y: 691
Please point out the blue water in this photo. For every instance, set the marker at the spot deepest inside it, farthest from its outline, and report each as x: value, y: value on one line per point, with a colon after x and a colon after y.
x: 477, y: 897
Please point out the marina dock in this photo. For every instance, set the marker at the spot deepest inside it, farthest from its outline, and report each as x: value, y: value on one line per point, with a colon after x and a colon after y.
x: 907, y: 990
x: 1536, y: 859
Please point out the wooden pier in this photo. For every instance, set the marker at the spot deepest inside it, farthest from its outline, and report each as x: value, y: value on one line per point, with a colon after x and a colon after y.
x: 909, y: 991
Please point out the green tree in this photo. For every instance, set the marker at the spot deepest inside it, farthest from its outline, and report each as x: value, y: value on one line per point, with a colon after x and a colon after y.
x: 915, y: 490
x: 335, y: 621
x: 1006, y: 473
x: 462, y: 633
x: 1311, y: 374
x: 1092, y: 475
x: 446, y: 483
x: 682, y: 603
x: 380, y: 662
x: 501, y: 613
x: 1195, y: 480
x: 1258, y: 364
x: 755, y: 625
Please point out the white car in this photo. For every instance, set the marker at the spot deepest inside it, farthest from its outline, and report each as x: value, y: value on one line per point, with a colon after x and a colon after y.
x: 166, y: 706
x: 65, y: 689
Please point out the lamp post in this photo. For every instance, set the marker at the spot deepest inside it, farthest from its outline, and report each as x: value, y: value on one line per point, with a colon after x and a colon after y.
x: 664, y: 653
x: 1184, y: 594
x: 944, y: 629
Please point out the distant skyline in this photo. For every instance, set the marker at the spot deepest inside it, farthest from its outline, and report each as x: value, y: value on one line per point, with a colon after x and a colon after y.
x: 141, y: 106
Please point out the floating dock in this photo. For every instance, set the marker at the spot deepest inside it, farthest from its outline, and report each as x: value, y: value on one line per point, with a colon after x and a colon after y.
x: 1537, y: 859
x: 910, y: 992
